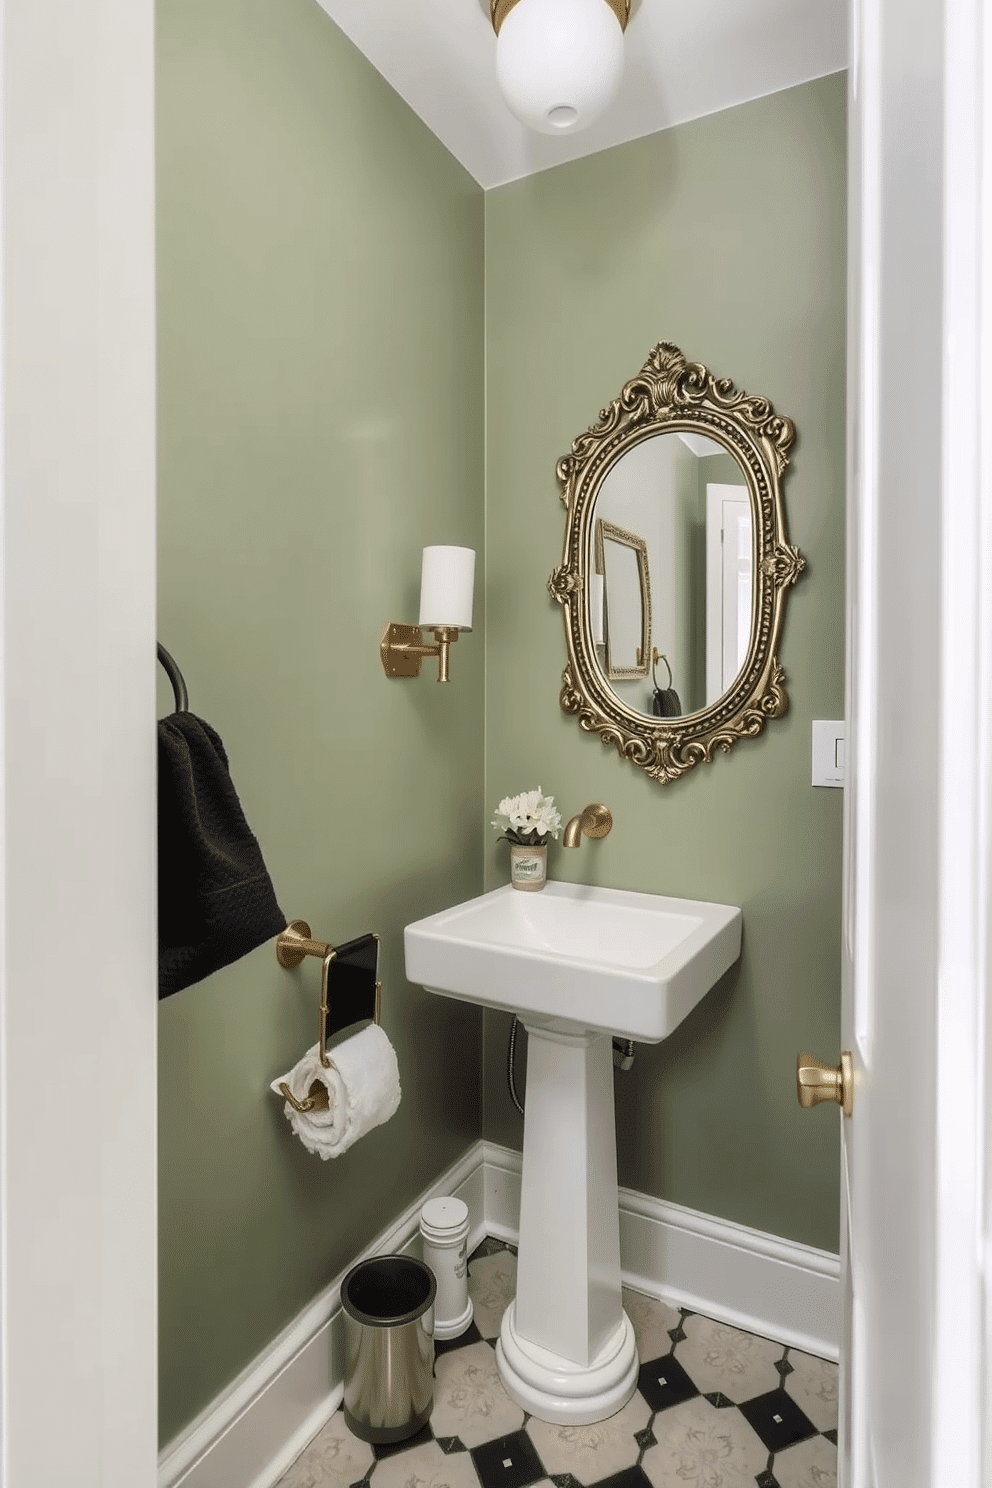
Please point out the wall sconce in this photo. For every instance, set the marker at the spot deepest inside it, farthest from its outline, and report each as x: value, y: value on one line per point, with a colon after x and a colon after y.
x: 446, y: 583
x: 559, y: 62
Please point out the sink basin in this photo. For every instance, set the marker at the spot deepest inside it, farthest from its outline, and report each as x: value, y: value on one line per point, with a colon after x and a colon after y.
x: 576, y: 958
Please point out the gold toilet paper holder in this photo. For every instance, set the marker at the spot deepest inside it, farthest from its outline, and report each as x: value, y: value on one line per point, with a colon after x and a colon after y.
x: 292, y: 947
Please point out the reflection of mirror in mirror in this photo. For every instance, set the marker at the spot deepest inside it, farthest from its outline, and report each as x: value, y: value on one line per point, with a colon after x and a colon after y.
x: 622, y: 560
x: 688, y: 498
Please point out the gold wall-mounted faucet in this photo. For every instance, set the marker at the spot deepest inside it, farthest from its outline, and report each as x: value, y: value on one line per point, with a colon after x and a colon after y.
x: 595, y: 821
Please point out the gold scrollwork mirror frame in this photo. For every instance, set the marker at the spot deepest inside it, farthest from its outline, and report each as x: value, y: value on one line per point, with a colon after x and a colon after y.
x: 671, y: 395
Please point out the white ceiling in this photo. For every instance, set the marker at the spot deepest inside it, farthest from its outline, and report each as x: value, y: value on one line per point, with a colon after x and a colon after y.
x: 685, y: 58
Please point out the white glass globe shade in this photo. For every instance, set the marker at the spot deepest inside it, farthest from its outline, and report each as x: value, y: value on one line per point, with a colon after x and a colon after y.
x: 559, y: 62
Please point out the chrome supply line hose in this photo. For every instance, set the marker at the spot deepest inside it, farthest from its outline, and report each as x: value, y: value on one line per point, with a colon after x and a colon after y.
x: 623, y: 1058
x: 510, y: 1061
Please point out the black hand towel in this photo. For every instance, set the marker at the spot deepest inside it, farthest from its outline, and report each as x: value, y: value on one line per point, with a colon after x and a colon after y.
x: 215, y: 898
x: 665, y: 703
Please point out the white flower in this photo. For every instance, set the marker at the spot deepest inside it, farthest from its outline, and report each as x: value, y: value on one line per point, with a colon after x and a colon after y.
x: 528, y: 816
x: 548, y: 818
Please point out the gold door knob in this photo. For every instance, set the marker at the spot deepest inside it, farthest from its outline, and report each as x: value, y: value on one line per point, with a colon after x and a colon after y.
x: 816, y: 1082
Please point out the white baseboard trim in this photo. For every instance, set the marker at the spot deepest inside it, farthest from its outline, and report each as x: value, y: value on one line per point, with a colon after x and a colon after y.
x: 250, y: 1434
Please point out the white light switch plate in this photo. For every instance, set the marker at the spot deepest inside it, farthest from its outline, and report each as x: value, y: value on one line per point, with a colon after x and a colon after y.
x: 829, y: 746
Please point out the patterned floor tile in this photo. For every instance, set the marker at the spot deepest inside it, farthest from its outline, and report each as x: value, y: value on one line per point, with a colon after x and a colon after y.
x: 426, y: 1467
x: 469, y: 1399
x: 631, y: 1477
x: 652, y: 1320
x: 489, y: 1245
x: 813, y: 1385
x: 334, y: 1458
x: 811, y: 1464
x: 492, y: 1285
x: 664, y: 1383
x: 591, y: 1453
x: 701, y: 1446
x: 717, y: 1357
x: 777, y: 1419
x: 445, y: 1345
x: 508, y: 1462
x: 382, y: 1450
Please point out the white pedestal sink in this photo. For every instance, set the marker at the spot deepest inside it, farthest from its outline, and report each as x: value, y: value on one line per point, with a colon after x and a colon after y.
x: 577, y: 965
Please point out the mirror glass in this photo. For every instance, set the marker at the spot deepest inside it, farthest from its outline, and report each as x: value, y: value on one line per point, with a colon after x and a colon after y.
x: 675, y: 625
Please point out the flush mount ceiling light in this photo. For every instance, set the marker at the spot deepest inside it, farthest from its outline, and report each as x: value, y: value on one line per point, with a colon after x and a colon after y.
x: 559, y: 62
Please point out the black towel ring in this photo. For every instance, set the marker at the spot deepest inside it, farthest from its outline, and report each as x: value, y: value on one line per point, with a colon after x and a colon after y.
x: 176, y: 678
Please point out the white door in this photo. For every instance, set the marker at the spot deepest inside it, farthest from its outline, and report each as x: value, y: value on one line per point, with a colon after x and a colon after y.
x: 729, y: 563
x: 917, y: 810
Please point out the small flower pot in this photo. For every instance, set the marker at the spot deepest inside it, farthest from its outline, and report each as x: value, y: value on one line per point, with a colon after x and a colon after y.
x: 528, y: 867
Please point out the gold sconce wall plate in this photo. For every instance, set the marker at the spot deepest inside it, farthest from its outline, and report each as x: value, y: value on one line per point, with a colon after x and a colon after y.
x: 402, y: 650
x: 397, y: 660
x: 673, y: 396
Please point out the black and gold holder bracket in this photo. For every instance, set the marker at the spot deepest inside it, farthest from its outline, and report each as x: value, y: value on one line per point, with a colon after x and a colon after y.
x: 361, y: 992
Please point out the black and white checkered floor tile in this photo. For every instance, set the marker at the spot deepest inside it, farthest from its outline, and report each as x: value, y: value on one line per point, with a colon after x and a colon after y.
x: 715, y: 1408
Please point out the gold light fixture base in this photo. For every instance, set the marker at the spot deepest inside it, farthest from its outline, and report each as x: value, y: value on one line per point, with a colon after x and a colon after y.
x: 402, y: 649
x: 397, y: 659
x: 500, y: 9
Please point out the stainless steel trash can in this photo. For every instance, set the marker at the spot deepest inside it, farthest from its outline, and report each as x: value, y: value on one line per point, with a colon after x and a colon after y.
x: 388, y: 1306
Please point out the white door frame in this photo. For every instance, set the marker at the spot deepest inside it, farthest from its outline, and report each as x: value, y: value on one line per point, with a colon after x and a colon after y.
x: 77, y: 746
x: 961, y: 1425
x: 918, y: 816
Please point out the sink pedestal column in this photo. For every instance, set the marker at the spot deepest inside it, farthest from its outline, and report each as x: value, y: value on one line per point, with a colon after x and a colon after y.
x: 566, y: 1350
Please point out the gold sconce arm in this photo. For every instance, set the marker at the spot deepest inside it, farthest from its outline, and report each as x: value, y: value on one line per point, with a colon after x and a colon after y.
x: 402, y: 649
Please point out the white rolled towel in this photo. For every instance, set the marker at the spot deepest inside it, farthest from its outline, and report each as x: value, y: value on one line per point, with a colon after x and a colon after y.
x: 363, y: 1090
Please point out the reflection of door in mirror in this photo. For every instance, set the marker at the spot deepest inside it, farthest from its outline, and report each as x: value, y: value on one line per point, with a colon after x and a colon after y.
x: 728, y: 585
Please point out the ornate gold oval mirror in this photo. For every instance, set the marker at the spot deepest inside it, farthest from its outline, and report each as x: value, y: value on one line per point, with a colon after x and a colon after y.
x: 688, y: 471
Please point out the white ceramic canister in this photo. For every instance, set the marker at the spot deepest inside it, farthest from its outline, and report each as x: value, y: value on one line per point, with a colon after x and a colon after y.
x: 444, y: 1232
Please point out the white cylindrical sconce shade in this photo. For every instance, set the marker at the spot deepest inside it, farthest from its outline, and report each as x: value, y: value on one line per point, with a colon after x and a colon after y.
x: 446, y: 584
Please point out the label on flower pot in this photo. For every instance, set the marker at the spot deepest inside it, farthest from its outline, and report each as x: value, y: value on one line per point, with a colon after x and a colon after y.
x: 528, y: 866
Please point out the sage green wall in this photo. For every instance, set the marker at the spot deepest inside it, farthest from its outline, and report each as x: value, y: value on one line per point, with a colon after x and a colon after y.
x: 726, y: 236
x: 321, y: 419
